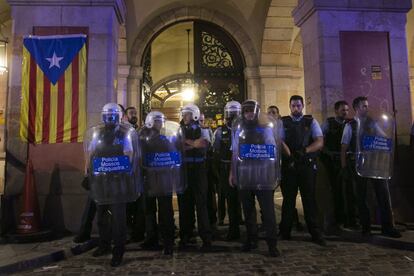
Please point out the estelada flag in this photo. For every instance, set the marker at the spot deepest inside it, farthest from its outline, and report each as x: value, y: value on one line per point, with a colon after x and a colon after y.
x: 53, y: 108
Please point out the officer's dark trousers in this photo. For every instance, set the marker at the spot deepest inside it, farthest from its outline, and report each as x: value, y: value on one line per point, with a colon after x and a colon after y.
x: 221, y: 203
x: 266, y: 202
x: 87, y: 217
x: 197, y: 190
x: 302, y: 177
x: 383, y: 200
x: 333, y: 167
x: 231, y: 195
x: 112, y: 226
x: 211, y: 195
x: 136, y: 217
x: 165, y: 218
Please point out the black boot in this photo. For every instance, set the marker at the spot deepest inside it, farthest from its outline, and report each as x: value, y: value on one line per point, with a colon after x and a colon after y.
x: 249, y: 246
x: 117, y: 255
x: 81, y: 238
x: 272, y: 246
x: 319, y: 240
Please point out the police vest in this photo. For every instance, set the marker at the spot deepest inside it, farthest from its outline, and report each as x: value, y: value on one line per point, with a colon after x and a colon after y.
x: 156, y: 143
x: 253, y: 135
x: 333, y: 136
x: 111, y: 145
x: 353, y: 123
x: 225, y: 143
x: 193, y: 132
x: 352, y: 143
x: 298, y: 134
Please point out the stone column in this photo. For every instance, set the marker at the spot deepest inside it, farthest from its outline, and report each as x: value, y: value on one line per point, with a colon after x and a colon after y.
x: 278, y: 84
x: 134, y: 88
x: 122, y: 93
x: 252, y: 76
x: 103, y: 18
x: 412, y: 87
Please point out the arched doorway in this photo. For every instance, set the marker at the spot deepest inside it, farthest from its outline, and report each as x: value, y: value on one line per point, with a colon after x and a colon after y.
x: 216, y: 67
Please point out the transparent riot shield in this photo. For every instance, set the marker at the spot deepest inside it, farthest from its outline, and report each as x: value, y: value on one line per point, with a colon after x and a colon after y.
x: 111, y: 155
x: 162, y: 152
x: 256, y: 153
x: 375, y: 146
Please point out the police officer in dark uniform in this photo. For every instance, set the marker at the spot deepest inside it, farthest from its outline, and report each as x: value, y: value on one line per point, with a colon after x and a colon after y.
x: 161, y: 148
x: 195, y: 142
x: 111, y: 151
x: 331, y: 157
x: 212, y: 177
x: 222, y: 151
x: 135, y: 210
x: 348, y: 159
x: 273, y: 111
x: 255, y: 169
x: 303, y: 139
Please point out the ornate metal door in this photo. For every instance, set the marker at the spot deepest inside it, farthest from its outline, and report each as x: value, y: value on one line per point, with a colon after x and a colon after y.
x: 218, y: 70
x: 218, y: 73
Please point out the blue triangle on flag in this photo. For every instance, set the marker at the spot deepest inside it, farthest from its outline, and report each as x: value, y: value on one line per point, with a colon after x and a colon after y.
x: 54, y: 54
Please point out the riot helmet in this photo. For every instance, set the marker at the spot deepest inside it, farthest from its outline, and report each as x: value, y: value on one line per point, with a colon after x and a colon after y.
x: 250, y: 110
x: 232, y: 110
x: 155, y: 119
x: 191, y: 109
x: 111, y: 114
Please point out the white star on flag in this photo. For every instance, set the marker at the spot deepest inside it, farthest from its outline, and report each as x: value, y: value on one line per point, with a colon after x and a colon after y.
x: 54, y: 60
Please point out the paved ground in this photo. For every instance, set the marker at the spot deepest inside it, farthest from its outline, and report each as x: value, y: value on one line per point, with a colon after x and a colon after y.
x: 299, y: 257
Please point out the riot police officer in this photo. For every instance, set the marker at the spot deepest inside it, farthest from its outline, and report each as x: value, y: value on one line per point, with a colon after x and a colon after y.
x: 161, y: 159
x: 255, y: 171
x: 135, y: 210
x: 330, y: 156
x: 222, y: 151
x: 212, y: 177
x: 111, y: 159
x: 303, y: 139
x: 355, y: 156
x: 195, y: 143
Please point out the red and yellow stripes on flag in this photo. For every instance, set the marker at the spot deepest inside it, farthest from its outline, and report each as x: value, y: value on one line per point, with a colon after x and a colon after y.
x: 53, y: 113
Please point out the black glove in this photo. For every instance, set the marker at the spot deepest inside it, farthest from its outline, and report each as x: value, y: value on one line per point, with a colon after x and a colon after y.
x: 291, y: 162
x: 299, y: 155
x: 85, y: 183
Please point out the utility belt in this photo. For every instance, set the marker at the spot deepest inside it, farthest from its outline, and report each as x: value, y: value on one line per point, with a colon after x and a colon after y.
x: 194, y: 159
x: 332, y: 156
x: 306, y: 161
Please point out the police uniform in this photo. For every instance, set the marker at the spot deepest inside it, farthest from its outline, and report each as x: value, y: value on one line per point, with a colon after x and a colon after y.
x: 197, y: 188
x: 212, y: 180
x: 263, y: 174
x: 111, y: 218
x: 331, y: 157
x: 360, y: 183
x: 299, y: 132
x: 135, y: 213
x: 222, y: 148
x: 158, y: 189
